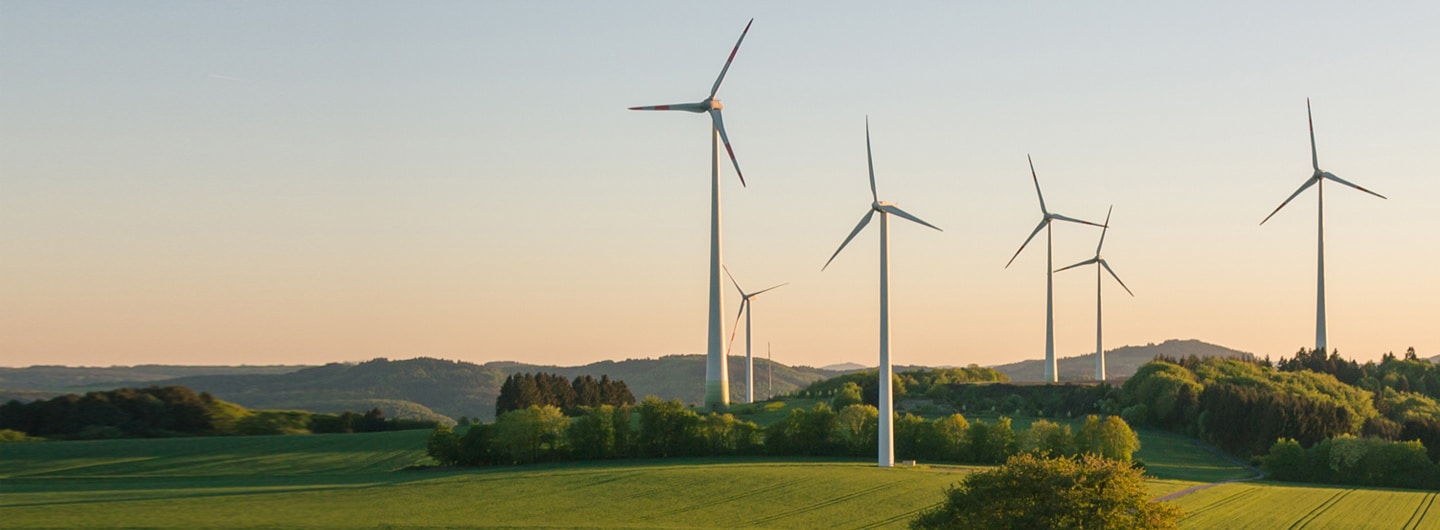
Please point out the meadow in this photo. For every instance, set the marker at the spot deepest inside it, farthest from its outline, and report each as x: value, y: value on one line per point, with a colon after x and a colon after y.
x: 361, y: 480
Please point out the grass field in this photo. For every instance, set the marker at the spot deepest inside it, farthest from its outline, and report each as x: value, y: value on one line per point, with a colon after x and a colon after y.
x: 353, y: 481
x: 1269, y: 506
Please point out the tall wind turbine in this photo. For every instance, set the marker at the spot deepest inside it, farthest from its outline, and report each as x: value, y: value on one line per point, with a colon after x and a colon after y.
x: 1100, y: 263
x: 887, y: 406
x: 1045, y: 220
x: 745, y: 306
x: 717, y: 376
x: 1318, y: 180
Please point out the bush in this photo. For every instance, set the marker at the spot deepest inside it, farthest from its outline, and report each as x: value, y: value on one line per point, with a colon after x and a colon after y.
x: 1110, y: 438
x: 444, y: 446
x: 1031, y: 492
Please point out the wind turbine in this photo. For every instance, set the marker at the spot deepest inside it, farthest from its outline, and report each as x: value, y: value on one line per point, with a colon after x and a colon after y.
x: 1318, y: 180
x: 887, y: 406
x: 1045, y: 220
x: 717, y: 376
x: 745, y: 306
x: 1100, y: 263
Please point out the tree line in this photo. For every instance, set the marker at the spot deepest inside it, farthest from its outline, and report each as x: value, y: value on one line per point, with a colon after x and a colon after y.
x: 656, y: 428
x: 161, y: 411
x: 1327, y: 413
x: 521, y: 391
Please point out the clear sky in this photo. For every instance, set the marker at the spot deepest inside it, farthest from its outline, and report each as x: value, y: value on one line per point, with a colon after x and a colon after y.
x: 306, y: 182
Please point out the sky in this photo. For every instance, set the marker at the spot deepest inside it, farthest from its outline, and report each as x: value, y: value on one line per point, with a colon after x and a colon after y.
x: 309, y: 182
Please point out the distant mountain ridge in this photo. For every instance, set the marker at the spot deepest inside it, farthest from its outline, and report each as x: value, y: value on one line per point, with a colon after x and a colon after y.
x: 1120, y: 362
x: 421, y: 388
x: 427, y: 387
x: 72, y: 378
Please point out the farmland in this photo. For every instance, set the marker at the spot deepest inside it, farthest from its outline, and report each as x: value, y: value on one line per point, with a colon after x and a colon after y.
x: 346, y: 481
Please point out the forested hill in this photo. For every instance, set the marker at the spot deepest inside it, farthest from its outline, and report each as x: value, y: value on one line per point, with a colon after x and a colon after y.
x: 682, y: 376
x: 78, y: 378
x: 413, y: 388
x: 422, y: 388
x: 1119, y: 362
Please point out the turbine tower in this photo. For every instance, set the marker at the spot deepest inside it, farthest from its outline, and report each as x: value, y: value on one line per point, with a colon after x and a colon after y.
x: 1100, y: 263
x: 745, y: 306
x: 717, y: 377
x: 1318, y: 179
x: 1045, y: 220
x: 887, y: 406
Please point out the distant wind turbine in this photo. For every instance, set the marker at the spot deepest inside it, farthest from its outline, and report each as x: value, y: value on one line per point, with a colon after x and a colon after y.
x: 717, y: 377
x: 1318, y: 180
x: 887, y: 405
x: 1045, y: 220
x: 1100, y: 263
x: 745, y: 307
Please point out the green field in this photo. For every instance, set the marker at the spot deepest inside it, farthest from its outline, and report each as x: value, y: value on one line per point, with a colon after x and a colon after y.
x: 356, y: 481
x: 1269, y: 505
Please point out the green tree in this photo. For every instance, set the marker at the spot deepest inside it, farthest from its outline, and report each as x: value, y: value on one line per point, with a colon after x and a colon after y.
x: 593, y: 435
x: 1110, y: 438
x: 849, y: 394
x: 1045, y: 438
x: 667, y: 428
x: 991, y: 443
x: 444, y: 446
x: 857, y: 429
x: 950, y: 438
x: 1033, y: 493
x: 530, y: 434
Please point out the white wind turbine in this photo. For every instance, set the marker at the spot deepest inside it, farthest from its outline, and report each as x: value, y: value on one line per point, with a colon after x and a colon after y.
x: 1100, y: 263
x: 717, y: 377
x: 745, y: 306
x: 1318, y: 180
x: 1050, y: 372
x: 887, y: 406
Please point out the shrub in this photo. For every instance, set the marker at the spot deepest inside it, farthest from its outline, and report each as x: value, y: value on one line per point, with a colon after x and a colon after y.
x: 1031, y: 492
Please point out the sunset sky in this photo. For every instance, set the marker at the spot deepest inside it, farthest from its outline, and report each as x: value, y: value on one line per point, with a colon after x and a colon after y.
x: 308, y: 182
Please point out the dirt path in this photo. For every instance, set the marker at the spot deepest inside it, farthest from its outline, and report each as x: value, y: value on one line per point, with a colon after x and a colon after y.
x: 1192, y: 489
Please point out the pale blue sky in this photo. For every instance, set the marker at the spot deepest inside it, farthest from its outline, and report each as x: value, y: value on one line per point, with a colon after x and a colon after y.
x: 281, y: 182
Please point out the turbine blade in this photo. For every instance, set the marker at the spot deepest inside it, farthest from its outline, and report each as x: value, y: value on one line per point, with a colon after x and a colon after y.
x: 1043, y: 222
x: 688, y: 107
x: 720, y: 126
x: 1086, y: 262
x: 757, y: 293
x: 1332, y: 176
x: 1314, y: 155
x: 902, y: 213
x: 1308, y: 182
x: 1103, y: 230
x: 730, y: 59
x: 1037, y: 185
x: 870, y: 161
x: 733, y: 282
x: 735, y: 327
x: 1059, y: 217
x: 863, y: 221
x: 1116, y: 276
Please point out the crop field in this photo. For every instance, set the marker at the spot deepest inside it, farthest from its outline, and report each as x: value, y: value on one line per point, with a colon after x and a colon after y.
x: 348, y: 481
x: 1269, y: 506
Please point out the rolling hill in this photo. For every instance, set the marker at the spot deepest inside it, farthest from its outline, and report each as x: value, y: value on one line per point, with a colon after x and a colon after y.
x: 77, y: 378
x: 1119, y: 363
x: 414, y: 388
x: 419, y: 388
